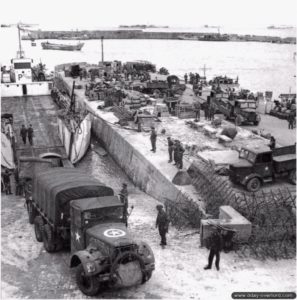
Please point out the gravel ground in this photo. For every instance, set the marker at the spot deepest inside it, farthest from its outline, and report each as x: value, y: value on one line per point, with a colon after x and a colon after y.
x: 28, y: 271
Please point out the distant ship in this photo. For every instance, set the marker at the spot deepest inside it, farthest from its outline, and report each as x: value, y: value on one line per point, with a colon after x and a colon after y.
x: 51, y: 46
x: 280, y: 27
x: 142, y: 26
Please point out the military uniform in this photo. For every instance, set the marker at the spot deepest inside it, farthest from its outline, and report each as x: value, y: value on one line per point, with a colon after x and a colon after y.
x: 153, y: 139
x: 124, y: 199
x: 162, y: 224
x: 180, y: 151
x: 170, y: 148
x: 6, y: 182
x: 197, y: 110
x: 175, y: 151
x: 23, y: 134
x: 30, y: 135
x: 215, y: 246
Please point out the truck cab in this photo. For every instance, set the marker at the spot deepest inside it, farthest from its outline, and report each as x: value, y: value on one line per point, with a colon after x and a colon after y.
x: 245, y: 112
x: 102, y: 249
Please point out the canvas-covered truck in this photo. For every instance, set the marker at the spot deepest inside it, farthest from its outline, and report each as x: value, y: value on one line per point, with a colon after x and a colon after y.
x: 259, y: 165
x: 72, y: 209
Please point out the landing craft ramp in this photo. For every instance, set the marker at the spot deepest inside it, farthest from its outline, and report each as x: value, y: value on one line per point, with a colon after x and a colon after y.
x: 41, y: 112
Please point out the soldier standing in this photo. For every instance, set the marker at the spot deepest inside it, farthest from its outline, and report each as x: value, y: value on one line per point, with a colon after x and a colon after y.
x: 124, y: 199
x: 206, y: 111
x: 30, y: 134
x: 291, y: 121
x: 162, y: 224
x: 211, y: 112
x: 175, y: 152
x: 181, y: 151
x: 23, y: 134
x: 186, y: 78
x: 170, y: 148
x: 6, y: 182
x: 197, y: 111
x: 215, y: 247
x: 153, y: 139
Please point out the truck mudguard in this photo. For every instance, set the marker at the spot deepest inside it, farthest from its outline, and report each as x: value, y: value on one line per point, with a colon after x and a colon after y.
x: 247, y: 178
x: 89, y: 261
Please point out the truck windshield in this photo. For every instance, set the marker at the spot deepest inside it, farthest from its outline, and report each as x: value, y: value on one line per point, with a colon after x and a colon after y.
x: 250, y: 156
x: 114, y: 214
x: 248, y: 105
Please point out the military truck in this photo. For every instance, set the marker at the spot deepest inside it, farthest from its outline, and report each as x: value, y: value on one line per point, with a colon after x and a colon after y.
x: 72, y: 209
x: 259, y: 165
x: 240, y: 110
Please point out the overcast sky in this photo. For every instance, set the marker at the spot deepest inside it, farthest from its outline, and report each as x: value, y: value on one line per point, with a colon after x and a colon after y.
x: 74, y: 14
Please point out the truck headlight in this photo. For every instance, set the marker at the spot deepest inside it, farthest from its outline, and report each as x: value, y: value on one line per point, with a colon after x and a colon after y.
x: 90, y: 267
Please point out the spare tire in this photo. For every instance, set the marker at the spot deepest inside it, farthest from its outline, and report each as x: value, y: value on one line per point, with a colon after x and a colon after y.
x: 123, y: 258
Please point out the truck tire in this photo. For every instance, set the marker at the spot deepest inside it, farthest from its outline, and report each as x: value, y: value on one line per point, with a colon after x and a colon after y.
x: 31, y: 212
x: 256, y: 123
x: 89, y: 285
x: 147, y: 276
x: 292, y: 176
x: 38, y: 227
x: 48, y: 239
x: 253, y: 185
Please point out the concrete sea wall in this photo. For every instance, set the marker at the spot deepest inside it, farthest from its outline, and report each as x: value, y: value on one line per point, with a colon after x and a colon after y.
x: 144, y: 175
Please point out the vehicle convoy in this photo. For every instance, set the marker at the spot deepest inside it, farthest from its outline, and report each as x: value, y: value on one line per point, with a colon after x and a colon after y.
x: 239, y: 110
x: 71, y: 209
x: 259, y: 165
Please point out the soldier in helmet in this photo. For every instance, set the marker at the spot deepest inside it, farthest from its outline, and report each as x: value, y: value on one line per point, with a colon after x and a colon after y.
x: 153, y: 138
x: 170, y: 148
x: 215, y: 247
x: 124, y: 199
x: 162, y: 224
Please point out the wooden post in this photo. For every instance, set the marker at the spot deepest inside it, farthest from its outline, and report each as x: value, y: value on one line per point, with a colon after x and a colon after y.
x: 102, y: 50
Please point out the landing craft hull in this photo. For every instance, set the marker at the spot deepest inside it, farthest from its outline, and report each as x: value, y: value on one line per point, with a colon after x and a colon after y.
x: 6, y: 153
x: 50, y: 46
x: 76, y: 148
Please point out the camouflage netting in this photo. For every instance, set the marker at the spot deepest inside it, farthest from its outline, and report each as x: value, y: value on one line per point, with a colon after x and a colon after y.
x: 272, y: 214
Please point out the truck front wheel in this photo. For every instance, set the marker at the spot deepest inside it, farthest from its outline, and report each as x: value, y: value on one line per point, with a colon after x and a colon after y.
x: 292, y: 176
x: 89, y: 285
x: 48, y: 239
x: 38, y: 226
x: 253, y: 185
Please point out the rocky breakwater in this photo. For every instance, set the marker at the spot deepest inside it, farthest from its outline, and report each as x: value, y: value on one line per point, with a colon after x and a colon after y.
x: 140, y: 34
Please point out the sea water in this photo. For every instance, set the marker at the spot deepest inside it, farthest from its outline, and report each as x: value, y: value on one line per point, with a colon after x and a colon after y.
x: 260, y: 66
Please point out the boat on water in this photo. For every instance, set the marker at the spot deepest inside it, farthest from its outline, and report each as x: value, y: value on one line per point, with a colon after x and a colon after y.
x: 282, y: 27
x: 63, y: 47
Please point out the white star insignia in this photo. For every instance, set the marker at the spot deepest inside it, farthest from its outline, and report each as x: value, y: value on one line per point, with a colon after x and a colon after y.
x: 77, y: 236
